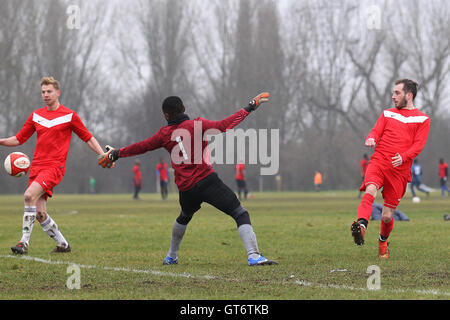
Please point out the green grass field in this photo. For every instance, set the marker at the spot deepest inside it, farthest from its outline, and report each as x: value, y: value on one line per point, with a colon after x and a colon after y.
x: 119, y: 245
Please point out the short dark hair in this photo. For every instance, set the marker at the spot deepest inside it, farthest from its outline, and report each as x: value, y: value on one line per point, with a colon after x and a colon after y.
x: 409, y: 86
x: 172, y: 106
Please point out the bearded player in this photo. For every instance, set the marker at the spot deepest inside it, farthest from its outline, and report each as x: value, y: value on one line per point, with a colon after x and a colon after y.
x: 54, y: 125
x: 398, y: 136
x: 196, y: 180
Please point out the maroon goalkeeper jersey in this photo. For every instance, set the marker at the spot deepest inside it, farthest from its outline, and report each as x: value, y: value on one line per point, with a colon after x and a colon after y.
x: 399, y: 131
x: 185, y: 142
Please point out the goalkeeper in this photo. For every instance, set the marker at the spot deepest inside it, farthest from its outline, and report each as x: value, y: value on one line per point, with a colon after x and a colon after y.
x: 196, y: 180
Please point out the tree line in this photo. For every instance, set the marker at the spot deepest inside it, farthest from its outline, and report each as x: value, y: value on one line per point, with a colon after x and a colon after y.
x: 329, y: 66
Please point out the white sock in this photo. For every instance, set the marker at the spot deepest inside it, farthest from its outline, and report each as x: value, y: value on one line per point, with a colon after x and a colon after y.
x: 29, y: 216
x: 51, y: 228
x: 249, y: 239
x: 178, y: 231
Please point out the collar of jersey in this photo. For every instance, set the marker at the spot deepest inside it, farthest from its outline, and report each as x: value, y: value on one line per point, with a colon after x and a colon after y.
x: 178, y: 119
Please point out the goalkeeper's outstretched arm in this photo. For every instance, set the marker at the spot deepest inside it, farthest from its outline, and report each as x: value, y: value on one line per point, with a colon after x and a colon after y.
x: 237, y: 117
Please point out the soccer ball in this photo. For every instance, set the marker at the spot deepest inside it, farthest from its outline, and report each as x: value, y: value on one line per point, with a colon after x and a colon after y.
x: 17, y: 164
x: 416, y: 200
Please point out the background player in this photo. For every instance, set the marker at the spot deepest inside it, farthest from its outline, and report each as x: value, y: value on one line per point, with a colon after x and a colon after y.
x: 317, y: 180
x: 398, y: 136
x: 196, y: 180
x: 137, y: 179
x: 54, y: 125
x: 240, y: 180
x: 416, y: 181
x: 162, y: 170
x: 443, y: 175
x: 363, y: 165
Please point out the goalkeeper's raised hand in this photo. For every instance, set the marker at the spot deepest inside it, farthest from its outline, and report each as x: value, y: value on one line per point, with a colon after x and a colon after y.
x: 256, y: 101
x: 107, y: 159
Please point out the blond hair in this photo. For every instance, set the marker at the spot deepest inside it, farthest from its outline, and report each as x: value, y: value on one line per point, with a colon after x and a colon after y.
x: 50, y: 80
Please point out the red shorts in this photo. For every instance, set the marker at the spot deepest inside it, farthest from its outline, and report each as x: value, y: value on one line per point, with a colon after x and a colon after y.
x: 391, y: 180
x: 48, y: 177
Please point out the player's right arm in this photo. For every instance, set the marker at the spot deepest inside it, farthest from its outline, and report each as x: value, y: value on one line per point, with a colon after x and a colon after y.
x: 22, y: 136
x: 10, y: 142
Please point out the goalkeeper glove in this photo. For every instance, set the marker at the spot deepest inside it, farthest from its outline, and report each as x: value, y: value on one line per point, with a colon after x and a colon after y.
x: 107, y: 159
x: 256, y: 101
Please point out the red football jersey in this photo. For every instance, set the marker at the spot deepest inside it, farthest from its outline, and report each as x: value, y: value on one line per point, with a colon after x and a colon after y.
x: 54, y: 131
x: 137, y: 173
x: 399, y: 131
x: 162, y: 168
x: 240, y: 167
x: 442, y: 170
x: 184, y: 141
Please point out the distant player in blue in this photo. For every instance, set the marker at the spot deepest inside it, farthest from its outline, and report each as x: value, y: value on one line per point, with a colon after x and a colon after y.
x: 377, y: 208
x: 416, y: 171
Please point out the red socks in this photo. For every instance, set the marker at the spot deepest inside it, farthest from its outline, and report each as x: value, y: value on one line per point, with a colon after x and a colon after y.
x: 386, y: 228
x: 365, y: 207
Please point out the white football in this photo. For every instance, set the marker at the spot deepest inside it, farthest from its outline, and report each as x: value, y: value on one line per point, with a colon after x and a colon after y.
x: 416, y: 200
x: 17, y: 164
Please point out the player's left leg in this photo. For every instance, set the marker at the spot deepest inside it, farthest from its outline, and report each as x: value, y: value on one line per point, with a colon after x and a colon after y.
x: 165, y: 190
x: 393, y: 191
x: 245, y: 190
x: 386, y: 226
x: 412, y: 190
x: 219, y: 195
x: 50, y: 227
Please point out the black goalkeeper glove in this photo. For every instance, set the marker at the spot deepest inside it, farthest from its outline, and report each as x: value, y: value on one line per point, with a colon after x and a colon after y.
x: 107, y: 159
x: 256, y: 101
x: 113, y: 155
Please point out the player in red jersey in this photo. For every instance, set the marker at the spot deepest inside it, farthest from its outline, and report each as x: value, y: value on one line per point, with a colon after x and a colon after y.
x: 137, y: 179
x: 240, y: 180
x: 162, y: 168
x: 443, y: 175
x: 54, y: 125
x: 398, y: 136
x: 194, y: 175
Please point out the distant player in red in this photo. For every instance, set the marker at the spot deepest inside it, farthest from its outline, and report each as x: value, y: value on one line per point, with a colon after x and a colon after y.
x: 162, y: 168
x: 194, y: 175
x: 398, y: 136
x: 54, y: 125
x: 443, y: 176
x: 240, y: 180
x: 363, y: 164
x: 137, y: 179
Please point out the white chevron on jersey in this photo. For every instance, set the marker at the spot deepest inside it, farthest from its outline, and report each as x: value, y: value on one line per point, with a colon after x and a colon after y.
x: 401, y: 118
x: 51, y: 123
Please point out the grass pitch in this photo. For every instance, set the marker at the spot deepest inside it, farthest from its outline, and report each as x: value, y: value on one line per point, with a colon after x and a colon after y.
x: 119, y: 245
